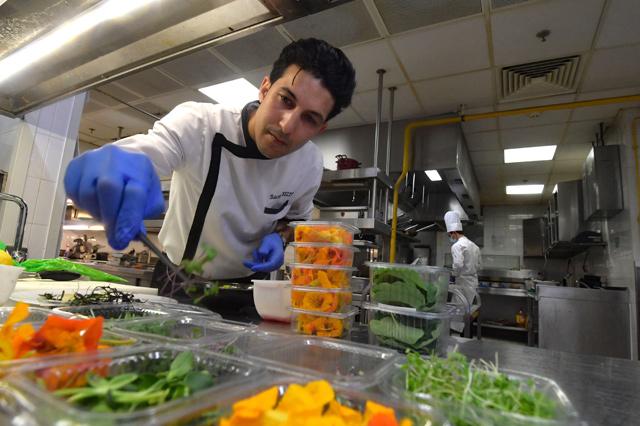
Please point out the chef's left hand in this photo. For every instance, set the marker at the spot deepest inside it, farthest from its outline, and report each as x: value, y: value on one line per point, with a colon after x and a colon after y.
x: 269, y: 256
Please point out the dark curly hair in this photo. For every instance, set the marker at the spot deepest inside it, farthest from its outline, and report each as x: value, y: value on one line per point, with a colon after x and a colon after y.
x: 323, y: 61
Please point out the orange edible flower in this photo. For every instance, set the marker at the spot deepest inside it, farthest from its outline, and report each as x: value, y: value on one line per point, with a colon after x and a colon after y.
x: 11, y: 338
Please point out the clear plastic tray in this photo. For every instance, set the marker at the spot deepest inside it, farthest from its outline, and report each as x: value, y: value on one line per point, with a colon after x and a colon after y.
x: 405, y: 328
x: 222, y: 401
x: 35, y: 314
x: 323, y: 232
x: 184, y: 309
x: 395, y: 385
x: 338, y: 361
x: 417, y: 286
x: 322, y: 324
x: 322, y: 276
x: 114, y: 312
x: 181, y: 330
x: 323, y: 253
x: 321, y: 299
x: 52, y: 409
x: 250, y: 343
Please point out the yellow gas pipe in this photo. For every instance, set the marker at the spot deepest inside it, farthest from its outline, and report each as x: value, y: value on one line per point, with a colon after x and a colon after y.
x: 406, y: 159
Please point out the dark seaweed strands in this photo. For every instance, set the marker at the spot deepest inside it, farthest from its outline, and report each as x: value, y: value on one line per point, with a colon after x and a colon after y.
x: 99, y: 295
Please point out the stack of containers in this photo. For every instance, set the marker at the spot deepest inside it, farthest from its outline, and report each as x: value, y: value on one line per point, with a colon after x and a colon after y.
x: 321, y: 291
x: 407, y: 309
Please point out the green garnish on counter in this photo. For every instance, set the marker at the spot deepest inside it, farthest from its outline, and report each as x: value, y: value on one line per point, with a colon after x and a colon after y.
x: 471, y: 386
x: 131, y: 391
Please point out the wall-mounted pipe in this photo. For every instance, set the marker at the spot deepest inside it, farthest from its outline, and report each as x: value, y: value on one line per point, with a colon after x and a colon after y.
x: 389, y: 126
x: 406, y: 158
x: 376, y: 142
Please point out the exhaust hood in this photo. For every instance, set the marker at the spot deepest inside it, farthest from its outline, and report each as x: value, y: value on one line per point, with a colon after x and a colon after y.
x: 50, y: 50
x: 443, y: 148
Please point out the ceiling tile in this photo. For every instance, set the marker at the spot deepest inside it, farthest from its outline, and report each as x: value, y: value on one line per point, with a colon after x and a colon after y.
x: 568, y: 167
x: 620, y: 24
x: 572, y: 151
x: 482, y: 141
x: 563, y: 177
x: 527, y: 169
x: 444, y: 95
x: 486, y: 158
x: 479, y: 125
x: 487, y: 173
x: 152, y: 108
x: 532, y: 136
x: 171, y: 100
x: 582, y: 132
x: 613, y: 68
x: 92, y: 106
x: 198, y: 69
x: 526, y: 178
x: 514, y: 30
x: 255, y: 50
x: 539, y: 119
x: 255, y: 77
x: 115, y: 90
x: 103, y: 99
x: 149, y: 83
x: 403, y: 15
x: 346, y: 118
x: 495, y: 4
x: 107, y: 121
x: 602, y: 112
x: 430, y: 52
x: 405, y: 104
x: 368, y: 58
x: 340, y: 26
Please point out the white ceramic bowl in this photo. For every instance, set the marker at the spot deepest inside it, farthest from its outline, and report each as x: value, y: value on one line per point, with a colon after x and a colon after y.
x: 272, y: 299
x: 8, y: 277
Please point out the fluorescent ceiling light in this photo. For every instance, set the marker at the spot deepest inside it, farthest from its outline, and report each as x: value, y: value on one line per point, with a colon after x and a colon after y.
x: 534, y: 153
x: 555, y: 188
x: 65, y: 33
x: 524, y: 189
x: 433, y: 175
x: 238, y: 92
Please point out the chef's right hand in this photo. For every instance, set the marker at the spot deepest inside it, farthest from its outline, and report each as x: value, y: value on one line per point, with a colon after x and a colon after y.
x: 118, y: 188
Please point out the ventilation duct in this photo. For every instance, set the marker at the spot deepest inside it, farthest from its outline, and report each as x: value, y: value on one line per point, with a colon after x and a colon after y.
x: 542, y: 78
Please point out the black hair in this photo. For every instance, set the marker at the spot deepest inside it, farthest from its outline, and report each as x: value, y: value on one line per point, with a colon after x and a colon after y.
x: 323, y: 61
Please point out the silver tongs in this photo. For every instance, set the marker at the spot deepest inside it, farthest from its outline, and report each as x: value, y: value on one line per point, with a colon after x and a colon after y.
x: 162, y: 257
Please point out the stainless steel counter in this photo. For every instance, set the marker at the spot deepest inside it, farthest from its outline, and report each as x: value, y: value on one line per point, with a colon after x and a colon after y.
x: 135, y: 276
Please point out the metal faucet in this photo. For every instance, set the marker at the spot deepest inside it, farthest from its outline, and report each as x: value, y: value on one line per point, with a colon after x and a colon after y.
x: 17, y: 254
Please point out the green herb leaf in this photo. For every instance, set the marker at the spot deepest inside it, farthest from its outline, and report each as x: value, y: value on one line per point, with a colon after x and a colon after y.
x: 181, y: 366
x: 198, y: 380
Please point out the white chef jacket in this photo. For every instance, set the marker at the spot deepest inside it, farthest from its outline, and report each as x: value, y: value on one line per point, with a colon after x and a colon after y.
x: 466, y: 262
x: 224, y: 193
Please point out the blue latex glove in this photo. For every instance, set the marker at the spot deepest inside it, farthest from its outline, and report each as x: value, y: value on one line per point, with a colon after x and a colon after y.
x: 118, y: 188
x: 269, y: 256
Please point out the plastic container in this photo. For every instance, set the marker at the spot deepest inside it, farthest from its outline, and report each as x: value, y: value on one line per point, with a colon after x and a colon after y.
x: 252, y: 342
x: 184, y: 309
x: 225, y: 370
x: 182, y: 330
x: 272, y: 299
x: 320, y: 276
x: 415, y: 286
x: 323, y: 253
x: 321, y: 299
x: 35, y: 314
x: 322, y: 324
x: 338, y: 361
x: 114, y: 312
x: 419, y: 414
x: 8, y: 278
x: 405, y: 328
x: 395, y: 384
x: 323, y: 232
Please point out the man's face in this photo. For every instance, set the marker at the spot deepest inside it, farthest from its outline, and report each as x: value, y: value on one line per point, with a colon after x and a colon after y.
x: 292, y: 110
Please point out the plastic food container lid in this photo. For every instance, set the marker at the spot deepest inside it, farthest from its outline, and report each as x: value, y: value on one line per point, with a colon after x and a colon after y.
x: 340, y: 316
x: 404, y: 265
x: 401, y: 310
x: 314, y: 266
x: 343, y: 225
x: 322, y: 245
x: 321, y: 289
x: 271, y: 283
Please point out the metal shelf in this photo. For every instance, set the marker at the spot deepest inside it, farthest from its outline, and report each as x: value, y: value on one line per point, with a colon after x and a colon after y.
x: 509, y: 292
x: 503, y: 327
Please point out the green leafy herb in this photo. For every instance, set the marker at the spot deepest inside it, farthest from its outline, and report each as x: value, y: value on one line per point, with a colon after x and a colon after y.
x: 467, y: 389
x: 130, y: 391
x: 98, y: 295
x: 403, y: 287
x: 405, y: 333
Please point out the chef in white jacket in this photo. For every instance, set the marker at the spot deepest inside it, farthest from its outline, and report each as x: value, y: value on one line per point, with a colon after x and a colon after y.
x: 466, y: 256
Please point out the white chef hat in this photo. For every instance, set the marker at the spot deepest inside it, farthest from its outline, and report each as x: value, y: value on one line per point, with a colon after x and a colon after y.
x: 452, y: 220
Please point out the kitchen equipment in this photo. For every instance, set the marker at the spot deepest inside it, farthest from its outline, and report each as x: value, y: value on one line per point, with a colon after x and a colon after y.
x: 59, y: 275
x: 272, y: 299
x: 17, y: 253
x: 590, y: 281
x: 367, y: 252
x: 343, y: 162
x: 8, y: 278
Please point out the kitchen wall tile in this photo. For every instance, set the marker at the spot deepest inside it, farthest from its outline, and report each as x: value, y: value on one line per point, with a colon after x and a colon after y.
x: 62, y: 116
x: 38, y: 154
x: 37, y: 241
x: 30, y: 195
x: 44, y: 203
x: 53, y: 158
x: 46, y: 119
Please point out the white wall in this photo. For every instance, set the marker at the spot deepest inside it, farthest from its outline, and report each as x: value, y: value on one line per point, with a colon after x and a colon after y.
x: 45, y: 141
